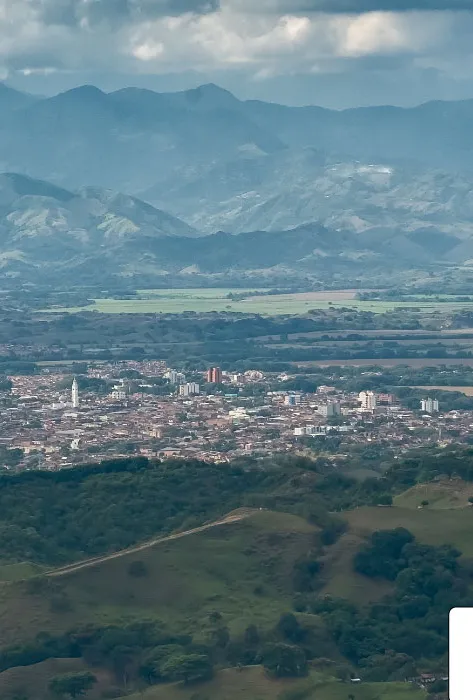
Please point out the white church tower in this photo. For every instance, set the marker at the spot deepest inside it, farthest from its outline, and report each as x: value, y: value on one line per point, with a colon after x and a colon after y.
x: 75, y: 394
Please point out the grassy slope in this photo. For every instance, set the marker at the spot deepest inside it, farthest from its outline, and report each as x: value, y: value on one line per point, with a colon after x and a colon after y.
x: 342, y: 581
x: 219, y: 569
x: 33, y: 681
x: 433, y: 527
x: 447, y: 520
x: 443, y: 495
x: 242, y: 570
x: 254, y: 684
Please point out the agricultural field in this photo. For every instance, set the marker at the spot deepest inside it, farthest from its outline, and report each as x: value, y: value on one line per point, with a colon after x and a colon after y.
x: 207, y: 300
x: 467, y: 390
x: 393, y: 362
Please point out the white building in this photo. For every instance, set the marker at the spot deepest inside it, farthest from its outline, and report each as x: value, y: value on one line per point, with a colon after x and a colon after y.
x: 330, y: 409
x: 75, y: 394
x: 429, y: 405
x: 118, y: 394
x: 368, y: 400
x: 175, y: 377
x: 189, y: 389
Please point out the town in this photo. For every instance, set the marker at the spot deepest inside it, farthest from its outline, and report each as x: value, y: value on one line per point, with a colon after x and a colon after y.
x: 53, y: 420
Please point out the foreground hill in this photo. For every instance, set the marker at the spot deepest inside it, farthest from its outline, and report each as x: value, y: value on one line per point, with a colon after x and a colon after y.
x: 252, y: 683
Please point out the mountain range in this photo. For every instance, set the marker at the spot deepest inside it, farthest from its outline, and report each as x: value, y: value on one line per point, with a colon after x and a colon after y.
x: 93, y: 234
x: 50, y: 229
x: 371, y: 186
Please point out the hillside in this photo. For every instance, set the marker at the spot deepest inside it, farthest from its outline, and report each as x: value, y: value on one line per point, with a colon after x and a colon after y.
x: 254, y: 684
x: 174, y: 588
x: 243, y: 570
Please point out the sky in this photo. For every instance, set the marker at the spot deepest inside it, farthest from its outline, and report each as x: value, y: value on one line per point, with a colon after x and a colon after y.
x: 336, y: 53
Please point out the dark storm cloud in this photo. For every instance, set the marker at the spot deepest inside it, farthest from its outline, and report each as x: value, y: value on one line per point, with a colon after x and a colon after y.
x: 116, y: 12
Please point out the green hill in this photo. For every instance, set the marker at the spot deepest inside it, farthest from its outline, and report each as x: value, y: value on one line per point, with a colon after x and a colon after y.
x: 259, y: 586
x: 441, y: 495
x: 254, y: 684
x: 433, y: 527
x: 242, y: 570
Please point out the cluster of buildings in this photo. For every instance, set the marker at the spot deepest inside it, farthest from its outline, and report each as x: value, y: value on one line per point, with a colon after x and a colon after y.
x: 147, y: 408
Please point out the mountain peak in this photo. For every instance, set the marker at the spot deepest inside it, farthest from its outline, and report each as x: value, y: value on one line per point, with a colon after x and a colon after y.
x: 208, y: 96
x: 83, y: 92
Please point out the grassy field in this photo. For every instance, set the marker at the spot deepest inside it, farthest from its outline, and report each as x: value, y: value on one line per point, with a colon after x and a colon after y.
x: 18, y: 572
x: 443, y: 495
x: 32, y: 682
x: 253, y: 684
x: 447, y: 520
x: 206, y: 300
x: 243, y: 570
x: 432, y: 526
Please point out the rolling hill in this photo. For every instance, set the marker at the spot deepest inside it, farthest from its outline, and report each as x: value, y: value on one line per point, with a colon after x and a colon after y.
x: 226, y: 588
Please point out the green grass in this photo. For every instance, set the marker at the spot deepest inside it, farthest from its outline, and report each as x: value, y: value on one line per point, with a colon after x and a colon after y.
x: 18, y: 572
x: 242, y: 570
x: 32, y: 682
x: 342, y: 581
x: 252, y: 683
x: 444, y: 495
x: 434, y: 527
x: 447, y: 520
x: 206, y: 300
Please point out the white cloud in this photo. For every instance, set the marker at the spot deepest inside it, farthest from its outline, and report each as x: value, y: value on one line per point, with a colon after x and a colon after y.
x: 141, y: 36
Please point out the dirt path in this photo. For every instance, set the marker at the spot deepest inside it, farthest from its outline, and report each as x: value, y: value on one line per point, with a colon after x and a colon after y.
x: 233, y: 517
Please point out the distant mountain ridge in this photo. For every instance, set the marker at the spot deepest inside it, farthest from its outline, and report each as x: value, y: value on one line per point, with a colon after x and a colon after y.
x: 92, y: 235
x: 134, y: 138
x: 44, y: 227
x: 377, y: 177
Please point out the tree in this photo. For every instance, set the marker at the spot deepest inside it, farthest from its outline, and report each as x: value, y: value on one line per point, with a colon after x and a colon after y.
x: 252, y: 637
x: 385, y: 499
x: 190, y: 668
x: 73, y: 684
x: 424, y: 504
x: 284, y: 660
x: 289, y: 627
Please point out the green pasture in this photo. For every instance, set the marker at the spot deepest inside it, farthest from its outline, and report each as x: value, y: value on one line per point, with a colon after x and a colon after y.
x: 174, y: 301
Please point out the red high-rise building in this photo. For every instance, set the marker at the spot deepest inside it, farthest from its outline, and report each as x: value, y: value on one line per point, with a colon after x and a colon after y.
x: 214, y: 375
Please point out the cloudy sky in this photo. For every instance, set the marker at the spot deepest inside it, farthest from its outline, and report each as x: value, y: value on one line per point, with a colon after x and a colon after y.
x: 337, y: 53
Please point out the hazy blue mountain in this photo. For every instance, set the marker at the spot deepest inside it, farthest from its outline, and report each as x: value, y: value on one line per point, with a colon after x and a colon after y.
x: 298, y: 186
x: 126, y: 140
x: 44, y: 227
x: 11, y: 100
x: 48, y: 232
x: 378, y: 179
x: 134, y: 139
